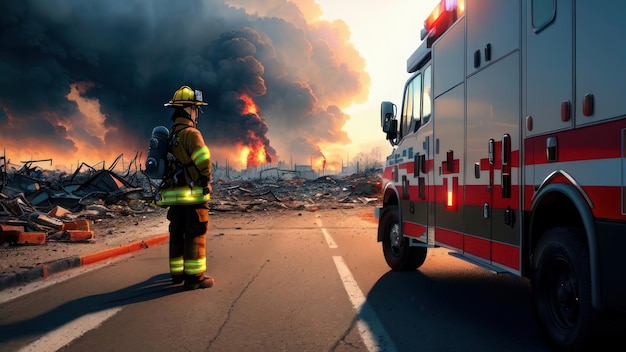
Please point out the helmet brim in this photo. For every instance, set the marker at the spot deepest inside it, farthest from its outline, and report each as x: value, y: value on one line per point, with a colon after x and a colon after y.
x: 183, y: 105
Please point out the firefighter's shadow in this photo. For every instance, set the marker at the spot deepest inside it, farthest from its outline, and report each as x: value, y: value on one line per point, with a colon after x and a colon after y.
x: 460, y: 311
x: 153, y: 288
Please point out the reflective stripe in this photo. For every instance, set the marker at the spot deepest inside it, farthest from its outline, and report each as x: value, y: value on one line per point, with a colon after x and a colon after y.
x: 201, y: 155
x: 183, y: 195
x: 202, y: 158
x: 177, y: 265
x: 195, y: 266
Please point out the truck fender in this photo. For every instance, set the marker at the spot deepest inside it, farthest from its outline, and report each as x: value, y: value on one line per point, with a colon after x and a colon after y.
x: 390, y: 198
x: 583, y: 206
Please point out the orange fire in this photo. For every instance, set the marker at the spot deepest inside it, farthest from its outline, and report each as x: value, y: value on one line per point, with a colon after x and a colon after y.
x: 249, y: 105
x: 319, y: 163
x: 253, y: 154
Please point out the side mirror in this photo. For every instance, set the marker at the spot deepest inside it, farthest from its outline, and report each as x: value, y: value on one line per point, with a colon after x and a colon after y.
x: 387, y: 114
x: 388, y: 120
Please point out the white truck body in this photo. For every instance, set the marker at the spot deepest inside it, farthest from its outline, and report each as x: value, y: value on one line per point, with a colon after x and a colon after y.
x: 510, y: 149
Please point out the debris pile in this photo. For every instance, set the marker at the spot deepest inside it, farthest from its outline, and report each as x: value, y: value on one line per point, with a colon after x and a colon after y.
x: 296, y: 194
x: 39, y: 206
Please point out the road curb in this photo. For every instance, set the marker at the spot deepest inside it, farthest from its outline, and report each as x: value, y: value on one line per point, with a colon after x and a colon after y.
x: 43, y: 270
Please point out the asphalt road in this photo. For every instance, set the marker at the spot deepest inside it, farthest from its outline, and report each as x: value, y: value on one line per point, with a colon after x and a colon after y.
x: 307, y: 282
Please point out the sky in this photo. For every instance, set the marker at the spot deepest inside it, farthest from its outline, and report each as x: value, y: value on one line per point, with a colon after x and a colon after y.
x: 297, y: 82
x: 385, y: 34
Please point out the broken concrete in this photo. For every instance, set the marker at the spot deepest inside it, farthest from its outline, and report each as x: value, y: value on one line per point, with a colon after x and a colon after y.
x: 39, y: 206
x: 296, y: 194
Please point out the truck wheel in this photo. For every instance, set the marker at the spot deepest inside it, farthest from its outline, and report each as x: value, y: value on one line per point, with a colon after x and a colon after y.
x: 398, y: 254
x: 561, y: 287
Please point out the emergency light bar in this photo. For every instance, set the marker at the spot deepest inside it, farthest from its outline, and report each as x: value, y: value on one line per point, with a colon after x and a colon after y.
x: 441, y: 18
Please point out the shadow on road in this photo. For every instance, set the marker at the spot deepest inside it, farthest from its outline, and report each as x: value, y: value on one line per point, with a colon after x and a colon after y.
x: 155, y: 287
x: 456, y: 312
x: 466, y: 311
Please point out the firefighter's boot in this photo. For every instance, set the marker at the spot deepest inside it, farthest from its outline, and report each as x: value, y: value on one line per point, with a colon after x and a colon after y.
x: 177, y: 279
x: 193, y: 283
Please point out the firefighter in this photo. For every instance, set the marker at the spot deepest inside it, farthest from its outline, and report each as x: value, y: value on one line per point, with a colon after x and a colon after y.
x: 186, y: 190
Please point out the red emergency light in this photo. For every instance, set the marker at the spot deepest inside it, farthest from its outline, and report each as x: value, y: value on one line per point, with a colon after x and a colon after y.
x: 441, y: 18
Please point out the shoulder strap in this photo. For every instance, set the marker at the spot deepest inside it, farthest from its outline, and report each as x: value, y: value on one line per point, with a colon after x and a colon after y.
x: 171, y: 141
x: 171, y: 146
x: 173, y: 134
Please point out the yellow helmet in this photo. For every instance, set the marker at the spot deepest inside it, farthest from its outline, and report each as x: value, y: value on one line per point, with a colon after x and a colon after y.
x: 185, y: 96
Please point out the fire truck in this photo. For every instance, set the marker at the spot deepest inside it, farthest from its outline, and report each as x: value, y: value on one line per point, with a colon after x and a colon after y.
x: 509, y: 149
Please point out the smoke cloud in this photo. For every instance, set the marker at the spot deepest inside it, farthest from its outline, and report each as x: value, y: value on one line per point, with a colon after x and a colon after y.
x: 85, y: 81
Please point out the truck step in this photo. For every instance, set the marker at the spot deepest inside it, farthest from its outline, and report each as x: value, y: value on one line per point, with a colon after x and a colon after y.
x: 494, y: 269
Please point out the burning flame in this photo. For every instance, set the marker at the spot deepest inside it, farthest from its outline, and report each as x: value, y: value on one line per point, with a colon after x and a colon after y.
x: 249, y: 106
x: 319, y: 163
x: 254, y: 153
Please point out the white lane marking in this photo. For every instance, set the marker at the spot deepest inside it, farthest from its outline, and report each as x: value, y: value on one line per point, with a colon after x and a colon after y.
x: 329, y: 240
x: 60, y: 337
x: 372, y: 332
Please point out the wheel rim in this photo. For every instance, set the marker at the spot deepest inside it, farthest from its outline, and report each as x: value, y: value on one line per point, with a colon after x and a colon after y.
x: 564, y: 295
x: 395, y: 239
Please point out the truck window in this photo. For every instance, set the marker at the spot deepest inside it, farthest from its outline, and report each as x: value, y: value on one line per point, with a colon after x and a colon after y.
x: 407, y: 108
x: 417, y: 107
x: 543, y: 13
x: 417, y: 103
x: 411, y: 108
x: 427, y: 98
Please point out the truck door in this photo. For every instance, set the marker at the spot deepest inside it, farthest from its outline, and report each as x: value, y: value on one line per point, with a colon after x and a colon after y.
x: 416, y: 148
x: 493, y: 112
x: 424, y: 159
x: 493, y: 108
x: 449, y: 140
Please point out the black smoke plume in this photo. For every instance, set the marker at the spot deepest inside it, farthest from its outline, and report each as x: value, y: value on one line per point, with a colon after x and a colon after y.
x: 87, y: 80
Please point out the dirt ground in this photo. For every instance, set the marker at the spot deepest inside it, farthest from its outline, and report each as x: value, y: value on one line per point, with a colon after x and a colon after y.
x: 151, y: 222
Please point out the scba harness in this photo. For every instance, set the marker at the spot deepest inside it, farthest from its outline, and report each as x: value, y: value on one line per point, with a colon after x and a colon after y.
x: 177, y: 168
x: 177, y: 182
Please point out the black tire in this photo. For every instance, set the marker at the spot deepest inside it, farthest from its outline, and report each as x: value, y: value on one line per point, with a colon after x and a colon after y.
x: 561, y: 288
x: 398, y: 254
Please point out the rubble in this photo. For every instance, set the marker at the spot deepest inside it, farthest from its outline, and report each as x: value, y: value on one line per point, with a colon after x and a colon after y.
x: 296, y: 194
x: 39, y: 206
